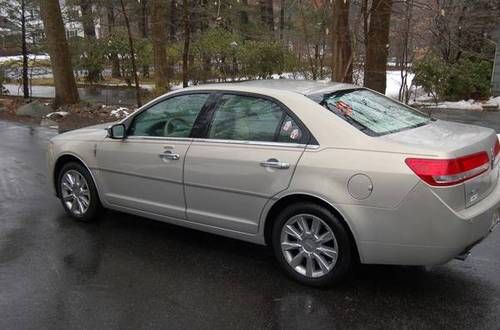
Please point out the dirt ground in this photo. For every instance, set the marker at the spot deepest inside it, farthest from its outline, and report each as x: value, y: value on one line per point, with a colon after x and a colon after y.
x: 65, y: 117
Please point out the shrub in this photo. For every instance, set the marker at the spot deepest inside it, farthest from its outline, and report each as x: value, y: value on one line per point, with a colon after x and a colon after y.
x: 431, y: 73
x: 469, y: 78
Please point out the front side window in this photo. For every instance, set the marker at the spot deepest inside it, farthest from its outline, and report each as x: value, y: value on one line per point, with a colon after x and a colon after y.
x: 248, y: 118
x: 371, y: 113
x: 173, y: 117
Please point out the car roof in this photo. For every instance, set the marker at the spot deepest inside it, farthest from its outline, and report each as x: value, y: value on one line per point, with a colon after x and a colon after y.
x: 304, y: 87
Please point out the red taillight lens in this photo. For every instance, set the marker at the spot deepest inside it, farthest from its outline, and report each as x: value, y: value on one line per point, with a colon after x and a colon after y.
x: 497, y: 149
x: 447, y: 172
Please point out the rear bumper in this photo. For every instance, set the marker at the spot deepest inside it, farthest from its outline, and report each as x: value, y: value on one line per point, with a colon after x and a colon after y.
x: 422, y: 230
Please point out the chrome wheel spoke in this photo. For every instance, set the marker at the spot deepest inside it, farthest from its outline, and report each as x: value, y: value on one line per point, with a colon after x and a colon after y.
x: 309, y: 266
x: 323, y: 264
x: 292, y: 232
x: 290, y: 246
x: 315, y: 226
x: 84, y: 201
x: 80, y: 205
x: 328, y: 236
x: 297, y: 260
x: 327, y: 251
x: 302, y: 223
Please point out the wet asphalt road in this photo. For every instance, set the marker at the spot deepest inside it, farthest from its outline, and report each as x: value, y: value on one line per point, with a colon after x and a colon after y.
x: 128, y: 272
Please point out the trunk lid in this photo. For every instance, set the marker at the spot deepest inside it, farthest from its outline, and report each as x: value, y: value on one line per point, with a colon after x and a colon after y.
x: 449, y: 140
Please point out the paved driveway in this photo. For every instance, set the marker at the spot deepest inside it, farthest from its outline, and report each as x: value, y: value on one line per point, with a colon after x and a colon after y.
x: 129, y: 272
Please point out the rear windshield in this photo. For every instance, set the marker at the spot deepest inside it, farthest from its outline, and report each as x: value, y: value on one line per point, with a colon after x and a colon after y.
x: 371, y: 113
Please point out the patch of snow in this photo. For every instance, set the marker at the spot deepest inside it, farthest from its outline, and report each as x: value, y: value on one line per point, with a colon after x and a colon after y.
x: 120, y: 112
x: 38, y: 57
x: 494, y: 100
x: 461, y: 105
x: 394, y: 82
x: 57, y: 114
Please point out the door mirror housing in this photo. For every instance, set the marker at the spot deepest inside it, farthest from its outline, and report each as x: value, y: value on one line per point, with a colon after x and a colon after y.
x: 117, y: 131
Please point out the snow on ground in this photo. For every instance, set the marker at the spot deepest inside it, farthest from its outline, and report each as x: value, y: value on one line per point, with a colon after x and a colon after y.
x: 460, y: 105
x: 57, y: 114
x: 121, y: 112
x: 394, y: 83
x: 39, y: 57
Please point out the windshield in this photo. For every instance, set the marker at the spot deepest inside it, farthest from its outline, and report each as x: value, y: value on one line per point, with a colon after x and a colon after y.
x: 371, y: 113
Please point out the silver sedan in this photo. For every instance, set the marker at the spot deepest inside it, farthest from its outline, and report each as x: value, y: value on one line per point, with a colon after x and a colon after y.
x: 326, y: 174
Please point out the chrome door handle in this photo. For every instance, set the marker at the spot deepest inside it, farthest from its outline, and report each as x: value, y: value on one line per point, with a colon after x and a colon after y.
x: 169, y: 155
x: 274, y: 163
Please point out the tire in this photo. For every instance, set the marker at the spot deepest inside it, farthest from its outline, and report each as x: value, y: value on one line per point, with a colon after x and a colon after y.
x: 329, y: 259
x: 83, y: 189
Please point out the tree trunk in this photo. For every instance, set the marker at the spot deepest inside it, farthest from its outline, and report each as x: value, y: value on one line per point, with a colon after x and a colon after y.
x: 26, y: 90
x: 187, y: 36
x: 64, y: 81
x: 267, y: 13
x: 115, y: 61
x: 143, y: 26
x: 172, y: 31
x: 159, y: 36
x: 87, y: 20
x: 378, y: 46
x: 282, y: 19
x: 132, y: 55
x: 341, y: 42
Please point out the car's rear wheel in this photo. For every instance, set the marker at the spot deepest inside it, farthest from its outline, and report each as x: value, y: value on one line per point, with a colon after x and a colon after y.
x: 311, y: 244
x: 78, y: 193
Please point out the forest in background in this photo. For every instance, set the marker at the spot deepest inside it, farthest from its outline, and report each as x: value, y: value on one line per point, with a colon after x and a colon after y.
x: 446, y: 44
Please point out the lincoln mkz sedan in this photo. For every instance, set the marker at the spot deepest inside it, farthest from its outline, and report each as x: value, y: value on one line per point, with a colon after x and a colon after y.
x: 327, y: 174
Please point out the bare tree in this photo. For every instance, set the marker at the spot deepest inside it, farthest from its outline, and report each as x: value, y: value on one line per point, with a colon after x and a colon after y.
x: 377, y: 45
x: 64, y: 80
x: 143, y: 26
x: 342, y: 56
x: 132, y: 55
x: 187, y: 39
x: 115, y: 61
x: 26, y: 91
x: 159, y: 36
x: 267, y: 13
x: 87, y: 19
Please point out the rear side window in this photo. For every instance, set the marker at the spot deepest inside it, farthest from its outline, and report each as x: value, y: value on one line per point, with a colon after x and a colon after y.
x: 248, y: 118
x: 372, y: 113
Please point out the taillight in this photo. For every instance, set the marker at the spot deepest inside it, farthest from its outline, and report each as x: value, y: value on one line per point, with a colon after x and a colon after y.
x: 447, y: 172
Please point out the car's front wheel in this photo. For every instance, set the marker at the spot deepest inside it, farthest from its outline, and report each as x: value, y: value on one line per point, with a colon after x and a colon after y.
x: 311, y: 244
x: 78, y: 193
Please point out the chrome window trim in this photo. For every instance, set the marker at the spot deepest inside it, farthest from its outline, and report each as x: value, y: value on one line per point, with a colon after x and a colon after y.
x: 158, y: 138
x: 252, y: 143
x: 223, y: 141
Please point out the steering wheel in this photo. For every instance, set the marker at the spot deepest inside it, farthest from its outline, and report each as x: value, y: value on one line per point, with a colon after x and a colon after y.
x: 173, y: 124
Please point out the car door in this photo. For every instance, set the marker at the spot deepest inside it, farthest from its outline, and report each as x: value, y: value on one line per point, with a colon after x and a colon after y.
x: 144, y: 171
x: 247, y: 155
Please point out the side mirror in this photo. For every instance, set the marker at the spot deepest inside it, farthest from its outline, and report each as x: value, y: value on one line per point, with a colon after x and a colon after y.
x: 116, y: 131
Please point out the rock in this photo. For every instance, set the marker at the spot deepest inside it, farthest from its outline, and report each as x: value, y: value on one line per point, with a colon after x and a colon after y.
x: 490, y: 107
x: 34, y: 109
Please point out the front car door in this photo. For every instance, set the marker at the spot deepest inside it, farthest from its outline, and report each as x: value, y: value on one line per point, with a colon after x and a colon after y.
x: 145, y: 170
x: 246, y: 156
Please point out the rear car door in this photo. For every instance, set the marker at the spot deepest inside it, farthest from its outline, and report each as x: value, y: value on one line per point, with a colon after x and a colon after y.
x: 144, y: 171
x: 246, y: 155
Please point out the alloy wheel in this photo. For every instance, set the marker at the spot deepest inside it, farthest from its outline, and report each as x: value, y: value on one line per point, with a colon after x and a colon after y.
x: 309, y: 245
x: 75, y: 192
